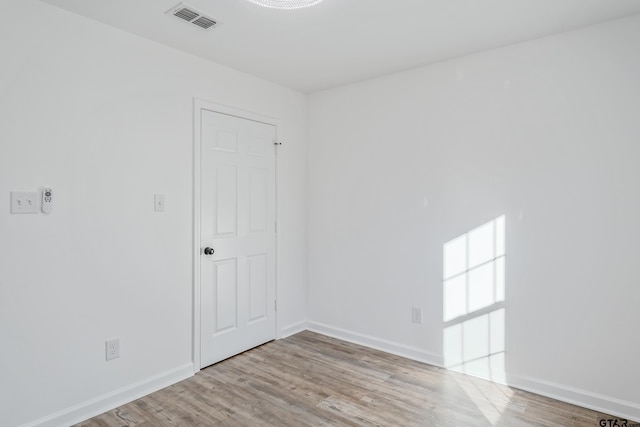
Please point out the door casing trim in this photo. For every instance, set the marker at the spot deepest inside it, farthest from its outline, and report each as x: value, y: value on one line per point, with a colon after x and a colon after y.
x: 198, y: 106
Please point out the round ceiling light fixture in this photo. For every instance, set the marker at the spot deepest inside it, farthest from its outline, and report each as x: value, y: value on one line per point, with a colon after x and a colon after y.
x: 285, y: 4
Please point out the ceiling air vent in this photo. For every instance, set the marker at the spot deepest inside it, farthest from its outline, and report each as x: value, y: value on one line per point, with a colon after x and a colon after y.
x: 204, y: 22
x: 192, y: 15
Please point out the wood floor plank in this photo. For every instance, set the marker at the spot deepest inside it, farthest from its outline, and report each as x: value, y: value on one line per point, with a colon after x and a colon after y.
x: 314, y: 380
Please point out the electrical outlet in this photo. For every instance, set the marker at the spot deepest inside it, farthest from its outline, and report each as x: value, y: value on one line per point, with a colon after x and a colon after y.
x: 112, y: 349
x: 416, y: 315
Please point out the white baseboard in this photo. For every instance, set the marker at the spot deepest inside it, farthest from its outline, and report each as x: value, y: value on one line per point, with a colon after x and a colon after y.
x: 109, y: 401
x: 287, y: 331
x: 586, y: 399
x: 377, y: 343
x: 90, y: 408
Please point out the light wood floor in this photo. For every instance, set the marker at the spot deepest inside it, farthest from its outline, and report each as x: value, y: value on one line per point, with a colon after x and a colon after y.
x: 313, y: 380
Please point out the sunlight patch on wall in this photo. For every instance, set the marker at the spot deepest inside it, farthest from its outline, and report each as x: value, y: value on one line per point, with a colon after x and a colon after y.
x: 476, y: 347
x: 473, y: 302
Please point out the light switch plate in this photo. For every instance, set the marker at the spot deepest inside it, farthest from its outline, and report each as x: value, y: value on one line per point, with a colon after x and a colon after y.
x: 23, y: 202
x: 416, y: 315
x: 159, y: 202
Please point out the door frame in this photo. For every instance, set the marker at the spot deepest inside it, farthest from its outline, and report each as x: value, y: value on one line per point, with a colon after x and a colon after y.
x: 198, y: 106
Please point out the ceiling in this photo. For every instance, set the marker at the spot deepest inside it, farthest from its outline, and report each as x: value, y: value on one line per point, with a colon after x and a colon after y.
x: 343, y: 41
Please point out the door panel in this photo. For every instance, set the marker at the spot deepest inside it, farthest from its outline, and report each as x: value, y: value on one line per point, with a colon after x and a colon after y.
x: 258, y: 194
x: 226, y: 201
x: 258, y: 286
x: 237, y: 216
x: 226, y: 295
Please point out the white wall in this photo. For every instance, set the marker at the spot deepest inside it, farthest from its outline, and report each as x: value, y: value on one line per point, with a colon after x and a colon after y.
x: 105, y: 119
x: 545, y: 132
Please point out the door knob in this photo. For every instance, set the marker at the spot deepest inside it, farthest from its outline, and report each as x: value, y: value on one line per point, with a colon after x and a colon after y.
x: 208, y: 251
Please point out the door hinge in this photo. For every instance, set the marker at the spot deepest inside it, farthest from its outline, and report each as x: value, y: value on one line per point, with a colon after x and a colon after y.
x: 275, y: 304
x: 276, y: 226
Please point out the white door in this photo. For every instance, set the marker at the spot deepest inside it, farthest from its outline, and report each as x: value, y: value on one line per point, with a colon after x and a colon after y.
x: 237, y: 222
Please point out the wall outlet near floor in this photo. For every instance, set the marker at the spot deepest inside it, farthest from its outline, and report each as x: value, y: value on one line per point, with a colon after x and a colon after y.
x: 112, y: 349
x: 416, y: 315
